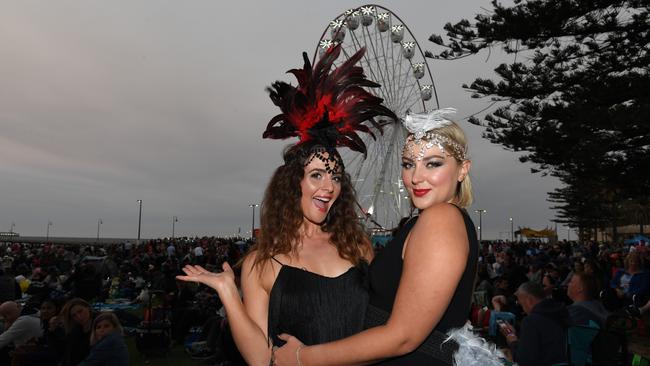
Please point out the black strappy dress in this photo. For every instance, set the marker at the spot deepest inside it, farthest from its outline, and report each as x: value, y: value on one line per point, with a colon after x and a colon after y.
x: 317, y: 309
x: 384, y: 277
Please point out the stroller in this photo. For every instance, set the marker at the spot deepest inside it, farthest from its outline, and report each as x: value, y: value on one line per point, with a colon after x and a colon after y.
x: 153, y: 334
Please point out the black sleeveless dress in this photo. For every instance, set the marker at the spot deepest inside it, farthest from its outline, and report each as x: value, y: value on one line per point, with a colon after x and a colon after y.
x: 317, y: 309
x: 385, y: 273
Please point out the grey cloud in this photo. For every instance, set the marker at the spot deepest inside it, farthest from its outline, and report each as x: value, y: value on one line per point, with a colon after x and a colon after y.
x: 104, y: 103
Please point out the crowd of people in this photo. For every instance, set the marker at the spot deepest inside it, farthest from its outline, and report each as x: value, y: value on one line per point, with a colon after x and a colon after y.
x: 52, y: 297
x: 49, y: 294
x: 550, y: 287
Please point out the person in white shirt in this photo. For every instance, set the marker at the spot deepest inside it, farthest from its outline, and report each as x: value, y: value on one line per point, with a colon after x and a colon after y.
x: 171, y: 250
x: 18, y: 328
x: 198, y: 254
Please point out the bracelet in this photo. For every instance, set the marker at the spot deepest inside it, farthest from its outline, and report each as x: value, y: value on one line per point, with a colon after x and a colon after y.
x: 298, y: 354
x: 272, y: 360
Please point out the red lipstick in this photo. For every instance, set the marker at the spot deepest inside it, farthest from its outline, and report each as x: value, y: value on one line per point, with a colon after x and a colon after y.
x: 420, y: 192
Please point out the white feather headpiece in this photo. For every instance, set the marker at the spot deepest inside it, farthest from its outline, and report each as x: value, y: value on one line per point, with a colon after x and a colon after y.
x: 420, y: 123
x: 422, y: 128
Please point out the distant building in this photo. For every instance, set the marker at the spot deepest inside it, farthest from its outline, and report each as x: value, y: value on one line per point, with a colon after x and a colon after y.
x: 622, y: 232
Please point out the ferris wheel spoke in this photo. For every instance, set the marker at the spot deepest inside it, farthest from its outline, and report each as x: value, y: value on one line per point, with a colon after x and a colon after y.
x: 392, y: 58
x: 400, y: 96
x: 364, y: 59
x: 415, y: 97
x: 345, y: 53
x: 410, y: 99
x: 355, y: 40
x: 419, y: 91
x: 366, y: 34
x: 387, y: 92
x: 413, y: 103
x: 379, y: 38
x: 380, y: 60
x: 385, y: 47
x: 403, y: 91
x: 397, y: 62
x: 382, y: 173
x: 368, y: 40
x: 402, y: 77
x: 368, y: 66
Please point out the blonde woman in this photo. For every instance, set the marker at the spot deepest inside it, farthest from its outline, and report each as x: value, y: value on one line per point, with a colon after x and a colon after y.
x: 107, y: 342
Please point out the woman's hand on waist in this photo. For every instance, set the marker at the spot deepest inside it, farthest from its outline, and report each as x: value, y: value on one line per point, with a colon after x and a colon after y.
x: 289, y: 354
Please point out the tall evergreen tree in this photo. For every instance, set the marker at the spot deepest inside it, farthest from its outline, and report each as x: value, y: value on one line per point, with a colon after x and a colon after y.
x: 576, y: 97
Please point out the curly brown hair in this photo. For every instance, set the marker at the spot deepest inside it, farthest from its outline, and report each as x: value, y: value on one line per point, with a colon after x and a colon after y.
x: 281, y: 214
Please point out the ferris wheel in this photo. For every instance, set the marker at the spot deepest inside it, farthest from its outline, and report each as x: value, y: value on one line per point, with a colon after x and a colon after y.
x: 395, y: 60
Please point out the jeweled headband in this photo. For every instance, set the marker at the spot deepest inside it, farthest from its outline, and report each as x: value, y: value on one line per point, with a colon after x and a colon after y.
x: 422, y: 133
x: 329, y: 106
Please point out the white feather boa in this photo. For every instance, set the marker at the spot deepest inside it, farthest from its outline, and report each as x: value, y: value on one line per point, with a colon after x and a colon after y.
x: 474, y: 350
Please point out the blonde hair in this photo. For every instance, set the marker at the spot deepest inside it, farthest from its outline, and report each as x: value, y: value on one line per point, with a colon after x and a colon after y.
x: 109, y: 317
x: 633, y: 255
x: 453, y: 132
x: 68, y: 322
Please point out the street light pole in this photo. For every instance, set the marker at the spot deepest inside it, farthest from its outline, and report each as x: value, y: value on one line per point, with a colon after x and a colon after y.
x: 253, y: 205
x: 139, y: 220
x: 512, y: 230
x: 99, y: 222
x: 174, y: 221
x: 13, y: 225
x: 47, y: 232
x: 480, y: 223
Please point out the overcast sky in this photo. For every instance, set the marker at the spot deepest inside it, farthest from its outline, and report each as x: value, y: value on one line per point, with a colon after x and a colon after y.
x: 103, y: 103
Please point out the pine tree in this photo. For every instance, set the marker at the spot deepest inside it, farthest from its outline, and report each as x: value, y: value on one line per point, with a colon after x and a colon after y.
x: 575, y: 99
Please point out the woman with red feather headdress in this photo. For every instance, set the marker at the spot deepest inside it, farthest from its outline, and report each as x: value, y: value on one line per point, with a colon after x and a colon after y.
x: 307, y: 273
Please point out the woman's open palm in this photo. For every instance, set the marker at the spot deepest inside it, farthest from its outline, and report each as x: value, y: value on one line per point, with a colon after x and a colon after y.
x: 215, y: 280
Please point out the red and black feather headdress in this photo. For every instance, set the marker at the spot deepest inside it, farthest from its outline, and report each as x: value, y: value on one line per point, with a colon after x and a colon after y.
x: 328, y: 106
